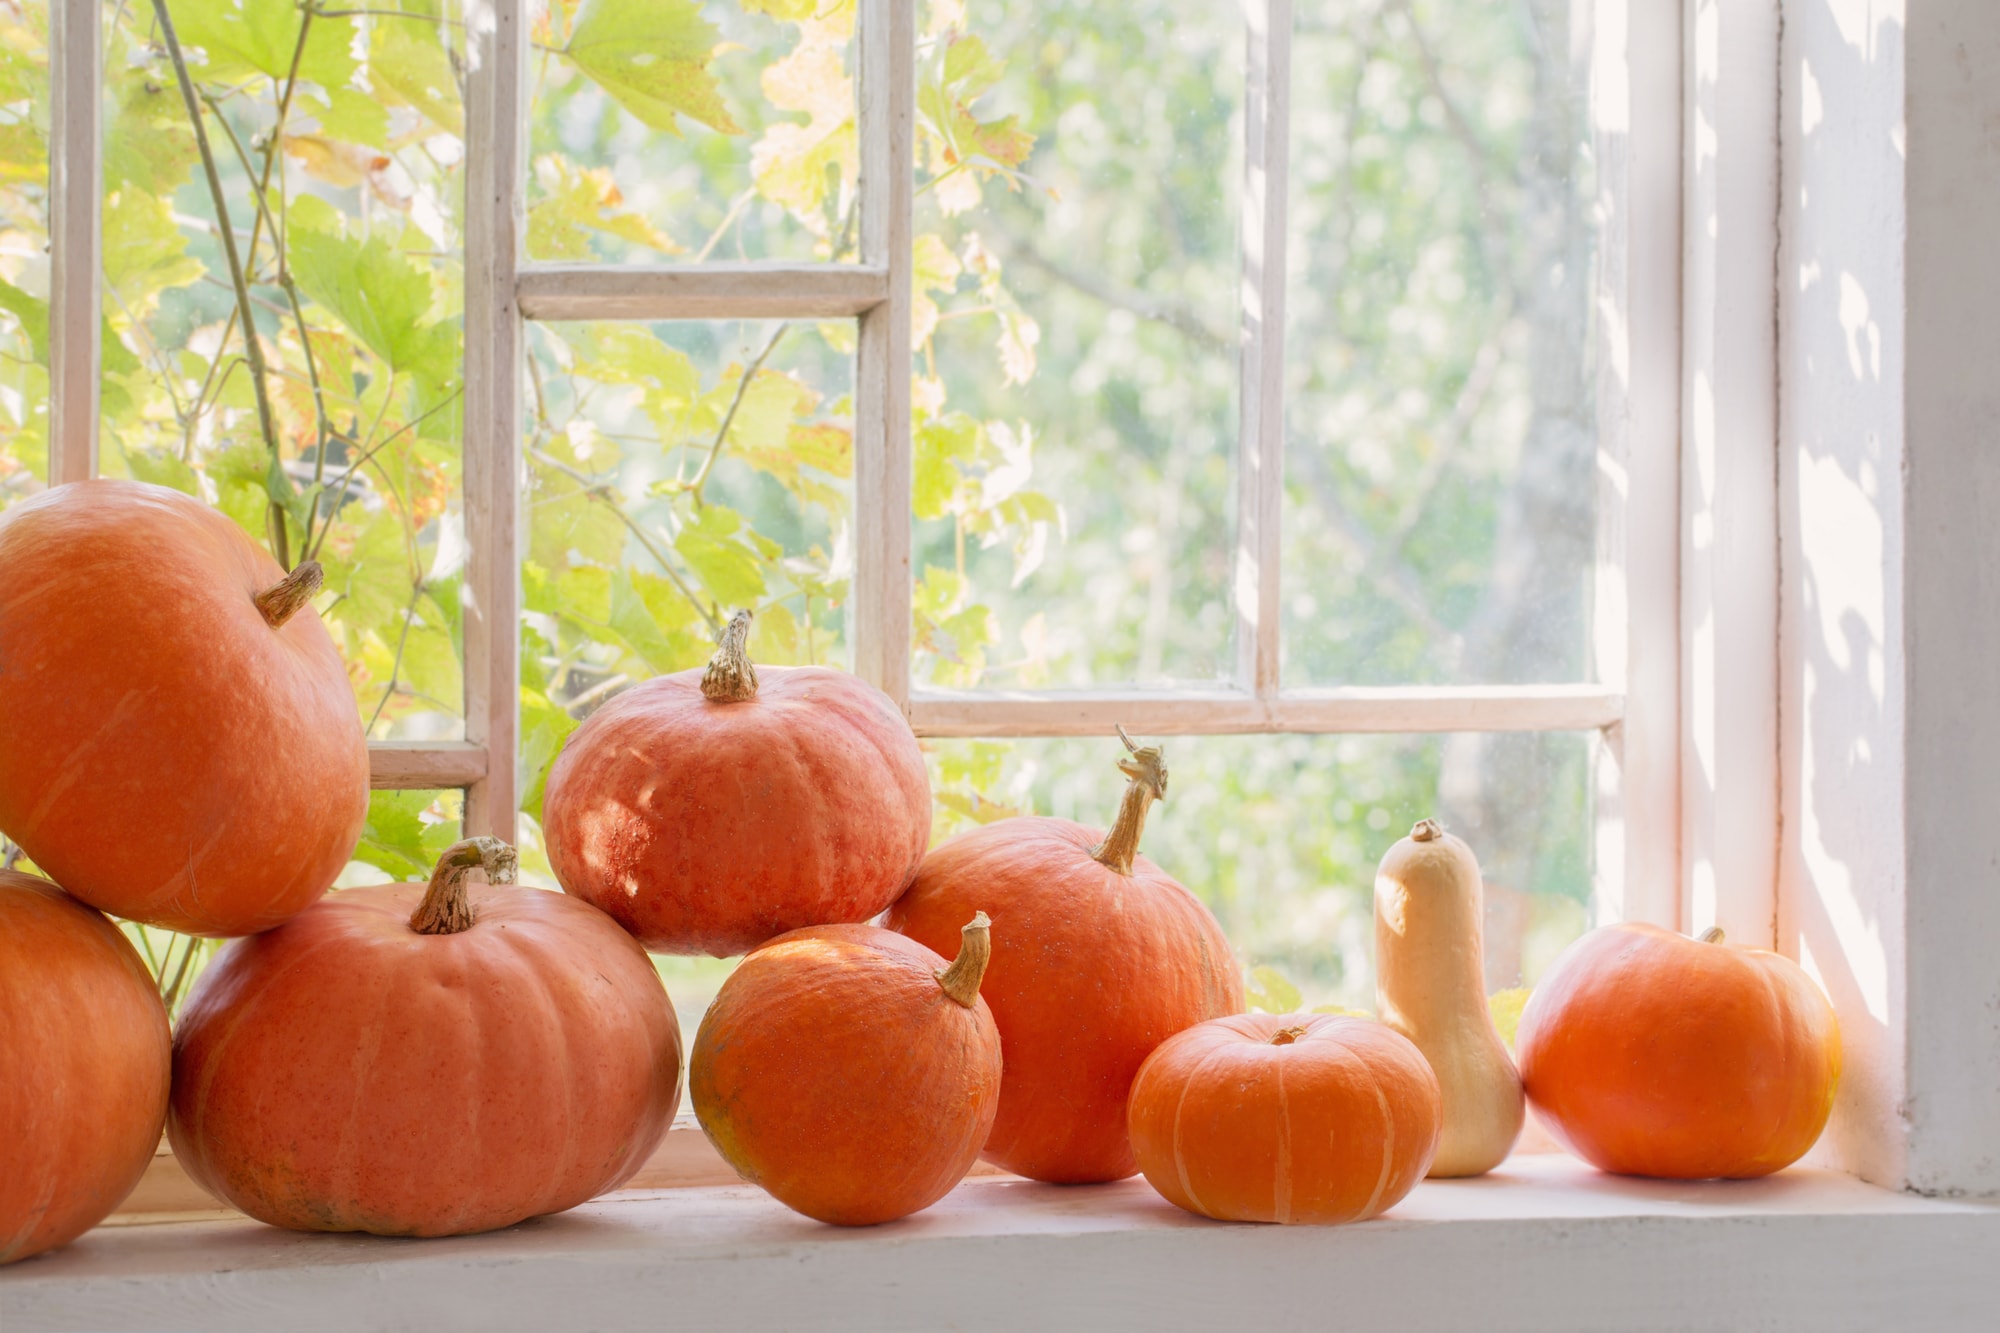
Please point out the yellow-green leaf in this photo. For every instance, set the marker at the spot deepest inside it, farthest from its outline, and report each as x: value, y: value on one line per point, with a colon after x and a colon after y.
x: 652, y: 58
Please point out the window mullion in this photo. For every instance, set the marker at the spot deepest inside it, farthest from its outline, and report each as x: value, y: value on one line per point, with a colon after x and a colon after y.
x: 1635, y: 81
x: 495, y: 218
x: 1261, y: 434
x: 76, y: 188
x: 882, y: 462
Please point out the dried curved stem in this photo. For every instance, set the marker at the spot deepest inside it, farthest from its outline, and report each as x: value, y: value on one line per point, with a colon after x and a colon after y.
x: 446, y: 910
x: 731, y: 677
x: 1146, y: 767
x: 961, y: 980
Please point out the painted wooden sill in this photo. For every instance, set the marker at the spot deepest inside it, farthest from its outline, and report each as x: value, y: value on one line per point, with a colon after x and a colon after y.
x: 1544, y: 1244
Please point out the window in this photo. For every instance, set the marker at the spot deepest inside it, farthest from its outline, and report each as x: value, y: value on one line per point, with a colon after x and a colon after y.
x: 1282, y: 381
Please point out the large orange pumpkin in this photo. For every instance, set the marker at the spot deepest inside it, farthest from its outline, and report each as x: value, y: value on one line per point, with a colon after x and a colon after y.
x: 1649, y: 1053
x: 712, y: 810
x: 849, y: 1072
x: 1098, y: 957
x: 83, y: 1067
x: 182, y: 744
x: 1286, y: 1118
x: 418, y: 1062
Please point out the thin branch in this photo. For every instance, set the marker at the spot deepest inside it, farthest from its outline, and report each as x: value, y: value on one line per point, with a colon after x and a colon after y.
x: 396, y: 667
x: 600, y: 491
x: 347, y: 478
x: 729, y: 417
x: 253, y: 347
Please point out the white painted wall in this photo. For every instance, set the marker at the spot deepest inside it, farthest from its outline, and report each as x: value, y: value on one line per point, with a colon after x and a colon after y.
x: 1889, y: 321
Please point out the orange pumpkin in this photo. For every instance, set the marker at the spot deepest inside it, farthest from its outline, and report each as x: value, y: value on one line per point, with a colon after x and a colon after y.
x: 710, y: 811
x: 1286, y: 1118
x: 83, y: 1067
x: 183, y: 746
x: 1649, y: 1053
x: 849, y: 1072
x: 1099, y: 956
x: 420, y: 1062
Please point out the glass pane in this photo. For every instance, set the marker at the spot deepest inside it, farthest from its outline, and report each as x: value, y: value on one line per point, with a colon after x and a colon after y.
x: 24, y: 241
x: 1076, y: 341
x: 678, y: 471
x: 1441, y: 408
x: 678, y: 130
x: 348, y: 450
x: 1281, y: 835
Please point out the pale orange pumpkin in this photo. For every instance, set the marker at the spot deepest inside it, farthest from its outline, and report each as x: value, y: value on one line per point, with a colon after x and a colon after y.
x: 1286, y: 1118
x: 1649, y: 1053
x: 182, y: 744
x: 418, y: 1062
x: 849, y: 1072
x: 709, y: 811
x: 1098, y: 957
x: 83, y: 1067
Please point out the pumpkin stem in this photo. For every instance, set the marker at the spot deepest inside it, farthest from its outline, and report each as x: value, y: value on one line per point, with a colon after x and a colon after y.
x: 730, y: 678
x: 281, y: 601
x: 1286, y: 1036
x: 1713, y: 935
x: 961, y: 980
x: 1427, y: 830
x: 445, y: 909
x: 1147, y: 769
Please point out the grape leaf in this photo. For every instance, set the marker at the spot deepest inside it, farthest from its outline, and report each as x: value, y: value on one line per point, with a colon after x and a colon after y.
x: 720, y: 549
x: 239, y: 39
x: 1271, y: 991
x: 577, y: 202
x: 144, y: 252
x: 1506, y: 1007
x: 652, y: 57
x: 382, y: 296
x: 409, y: 66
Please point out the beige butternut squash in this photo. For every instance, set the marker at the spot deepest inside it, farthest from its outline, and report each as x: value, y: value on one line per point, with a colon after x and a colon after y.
x: 1430, y: 985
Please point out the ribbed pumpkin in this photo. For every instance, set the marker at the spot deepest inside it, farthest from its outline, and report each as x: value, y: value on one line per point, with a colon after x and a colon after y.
x: 418, y: 1062
x: 1286, y: 1118
x: 1649, y: 1053
x: 182, y: 744
x: 710, y: 811
x: 83, y: 1067
x: 849, y: 1072
x: 1098, y: 957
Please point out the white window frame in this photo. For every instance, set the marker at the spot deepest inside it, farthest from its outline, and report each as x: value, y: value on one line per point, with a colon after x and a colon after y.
x: 1632, y: 708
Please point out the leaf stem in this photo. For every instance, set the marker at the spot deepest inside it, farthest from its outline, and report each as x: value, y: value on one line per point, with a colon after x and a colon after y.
x: 253, y: 348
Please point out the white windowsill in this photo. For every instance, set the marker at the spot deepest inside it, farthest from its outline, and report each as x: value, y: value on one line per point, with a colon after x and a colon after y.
x: 1544, y: 1244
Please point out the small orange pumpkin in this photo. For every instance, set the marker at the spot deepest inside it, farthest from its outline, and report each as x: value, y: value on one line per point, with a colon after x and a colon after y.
x: 1099, y: 956
x: 182, y: 743
x: 420, y: 1062
x: 83, y: 1067
x: 849, y: 1072
x: 710, y: 811
x: 1649, y: 1053
x: 1286, y: 1118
